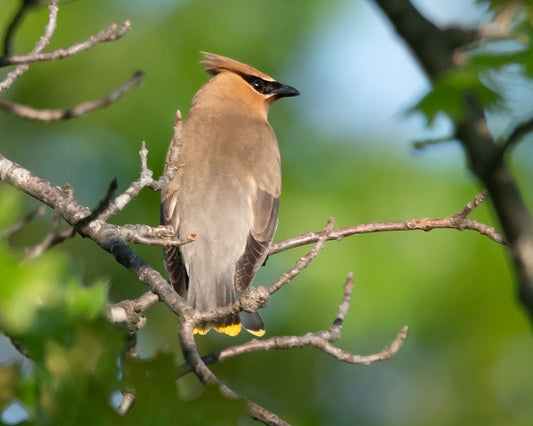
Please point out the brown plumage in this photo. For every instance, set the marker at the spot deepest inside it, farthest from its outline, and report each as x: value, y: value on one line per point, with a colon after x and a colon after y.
x: 226, y: 190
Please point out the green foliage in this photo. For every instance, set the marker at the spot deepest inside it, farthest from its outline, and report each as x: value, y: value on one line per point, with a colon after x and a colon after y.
x: 59, y: 324
x: 447, y: 94
x: 467, y: 358
x: 476, y: 76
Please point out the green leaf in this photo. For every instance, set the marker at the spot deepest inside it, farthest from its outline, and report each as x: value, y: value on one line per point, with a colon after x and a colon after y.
x: 448, y: 94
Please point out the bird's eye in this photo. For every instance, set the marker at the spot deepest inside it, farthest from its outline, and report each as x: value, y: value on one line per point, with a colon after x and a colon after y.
x: 258, y: 85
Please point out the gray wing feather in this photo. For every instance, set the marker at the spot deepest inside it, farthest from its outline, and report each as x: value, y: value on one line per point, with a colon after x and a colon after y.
x: 173, y: 261
x: 265, y: 214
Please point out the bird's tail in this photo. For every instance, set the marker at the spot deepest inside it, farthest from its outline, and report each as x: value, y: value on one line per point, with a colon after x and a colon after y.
x: 207, y: 294
x: 232, y: 324
x: 252, y: 323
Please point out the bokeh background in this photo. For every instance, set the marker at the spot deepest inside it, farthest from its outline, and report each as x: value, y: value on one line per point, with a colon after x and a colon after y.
x: 347, y: 152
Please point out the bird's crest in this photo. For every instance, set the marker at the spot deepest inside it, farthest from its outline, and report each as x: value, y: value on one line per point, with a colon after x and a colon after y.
x: 215, y: 64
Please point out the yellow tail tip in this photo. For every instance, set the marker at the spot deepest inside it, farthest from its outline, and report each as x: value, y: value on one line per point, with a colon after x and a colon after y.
x: 231, y: 330
x: 257, y: 333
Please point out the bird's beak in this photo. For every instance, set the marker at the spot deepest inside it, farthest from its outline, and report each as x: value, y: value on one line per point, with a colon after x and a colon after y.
x: 285, y: 91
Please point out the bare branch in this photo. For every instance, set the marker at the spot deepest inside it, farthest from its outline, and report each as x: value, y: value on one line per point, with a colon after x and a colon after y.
x: 458, y: 221
x: 345, y: 304
x: 264, y: 416
x: 28, y: 112
x: 303, y: 262
x: 152, y: 236
x: 133, y: 190
x: 102, y: 207
x: 39, y: 46
x: 192, y: 357
x: 171, y: 160
x: 39, y: 211
x: 103, y: 234
x: 129, y: 313
x: 424, y: 143
x: 14, y: 24
x: 128, y: 398
x: 107, y: 207
x: 519, y: 132
x: 254, y: 298
x: 112, y: 33
x: 54, y: 236
x: 257, y: 297
x: 321, y: 340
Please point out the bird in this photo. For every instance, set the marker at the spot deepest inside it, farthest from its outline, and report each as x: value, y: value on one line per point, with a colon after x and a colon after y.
x: 226, y: 191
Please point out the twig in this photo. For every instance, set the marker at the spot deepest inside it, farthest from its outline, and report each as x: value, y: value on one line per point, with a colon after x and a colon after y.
x: 112, y: 33
x: 102, y: 206
x: 254, y: 298
x: 128, y: 398
x: 519, y: 132
x: 321, y: 340
x: 53, y: 236
x: 39, y: 46
x: 107, y: 207
x: 303, y: 262
x: 133, y: 190
x: 192, y: 357
x: 264, y: 416
x: 14, y: 24
x: 39, y: 211
x: 171, y: 160
x: 28, y: 112
x: 421, y: 144
x: 102, y: 233
x: 146, y: 176
x: 152, y: 236
x: 458, y: 221
x: 129, y: 313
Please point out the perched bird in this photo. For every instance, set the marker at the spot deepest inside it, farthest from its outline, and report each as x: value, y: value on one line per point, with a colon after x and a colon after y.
x: 226, y: 190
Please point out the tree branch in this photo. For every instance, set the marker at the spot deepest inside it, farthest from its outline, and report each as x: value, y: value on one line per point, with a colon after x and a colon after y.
x: 254, y: 298
x: 113, y: 33
x: 103, y: 234
x: 53, y: 236
x: 14, y: 24
x: 192, y: 357
x: 39, y: 46
x: 23, y: 62
x: 31, y: 113
x: 436, y: 49
x: 39, y: 211
x: 321, y: 340
x: 302, y: 263
x: 130, y: 312
x: 519, y: 132
x: 458, y: 221
x: 171, y: 159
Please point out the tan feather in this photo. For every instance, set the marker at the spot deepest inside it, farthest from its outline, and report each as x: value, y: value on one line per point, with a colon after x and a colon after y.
x: 215, y: 64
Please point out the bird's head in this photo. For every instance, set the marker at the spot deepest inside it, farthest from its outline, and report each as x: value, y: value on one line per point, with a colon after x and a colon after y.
x: 243, y: 84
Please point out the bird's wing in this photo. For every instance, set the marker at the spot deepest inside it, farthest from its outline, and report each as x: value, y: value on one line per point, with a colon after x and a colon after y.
x: 173, y: 261
x: 265, y: 221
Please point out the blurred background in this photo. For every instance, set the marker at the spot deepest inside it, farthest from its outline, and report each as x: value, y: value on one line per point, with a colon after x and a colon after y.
x: 346, y: 147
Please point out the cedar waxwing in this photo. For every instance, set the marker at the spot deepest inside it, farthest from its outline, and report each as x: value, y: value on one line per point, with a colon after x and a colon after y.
x: 226, y: 190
